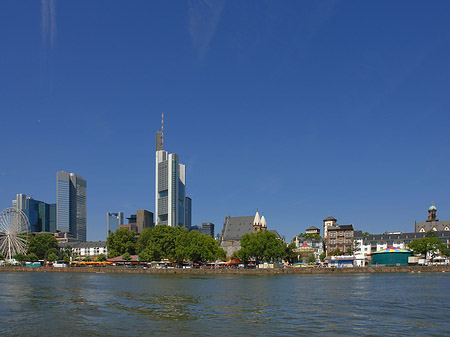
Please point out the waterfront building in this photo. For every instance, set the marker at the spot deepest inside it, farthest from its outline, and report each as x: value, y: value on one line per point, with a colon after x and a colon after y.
x: 328, y: 222
x: 432, y: 223
x: 113, y: 221
x: 235, y: 227
x: 316, y: 246
x: 170, y: 188
x: 86, y: 248
x: 71, y: 215
x: 42, y: 216
x: 366, y: 245
x: 339, y: 237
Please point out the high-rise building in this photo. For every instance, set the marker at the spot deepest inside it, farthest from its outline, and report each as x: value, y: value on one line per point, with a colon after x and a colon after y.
x: 144, y: 219
x: 188, y: 213
x: 170, y: 188
x: 40, y: 214
x: 208, y: 228
x: 71, y: 205
x: 113, y: 220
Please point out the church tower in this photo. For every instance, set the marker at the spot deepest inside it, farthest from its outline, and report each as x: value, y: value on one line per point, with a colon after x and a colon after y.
x: 432, y: 213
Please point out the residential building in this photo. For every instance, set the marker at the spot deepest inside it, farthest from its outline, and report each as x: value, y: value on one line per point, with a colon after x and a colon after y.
x: 144, y: 219
x: 339, y: 237
x: 87, y: 248
x: 113, y: 221
x: 42, y: 216
x: 312, y: 230
x: 170, y: 188
x: 366, y: 245
x: 71, y: 196
x: 313, y: 246
x: 328, y: 222
x: 432, y: 223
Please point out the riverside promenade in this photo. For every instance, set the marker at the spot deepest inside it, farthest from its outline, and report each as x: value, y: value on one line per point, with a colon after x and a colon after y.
x: 227, y: 271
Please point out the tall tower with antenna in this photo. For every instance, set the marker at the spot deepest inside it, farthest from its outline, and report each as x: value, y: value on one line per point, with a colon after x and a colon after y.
x: 171, y: 207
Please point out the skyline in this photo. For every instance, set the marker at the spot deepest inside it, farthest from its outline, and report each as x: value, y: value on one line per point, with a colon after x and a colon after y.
x: 300, y: 110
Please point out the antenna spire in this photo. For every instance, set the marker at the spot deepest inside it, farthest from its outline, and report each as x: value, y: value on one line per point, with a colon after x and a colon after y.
x: 162, y: 129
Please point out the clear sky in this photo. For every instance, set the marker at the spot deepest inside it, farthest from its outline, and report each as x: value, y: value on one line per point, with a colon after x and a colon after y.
x: 302, y: 109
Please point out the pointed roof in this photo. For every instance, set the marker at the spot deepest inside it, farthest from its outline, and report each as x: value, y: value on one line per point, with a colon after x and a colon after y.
x: 263, y: 221
x: 257, y: 219
x: 330, y: 218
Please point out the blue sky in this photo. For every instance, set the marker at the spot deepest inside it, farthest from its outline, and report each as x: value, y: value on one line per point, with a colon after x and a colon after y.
x: 300, y: 109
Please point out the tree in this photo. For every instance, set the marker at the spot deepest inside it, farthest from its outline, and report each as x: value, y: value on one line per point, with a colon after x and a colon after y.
x: 2, y: 257
x: 263, y: 246
x: 445, y: 251
x: 429, y: 243
x: 323, y: 256
x: 310, y: 236
x: 289, y: 254
x: 101, y: 258
x: 20, y: 257
x: 336, y: 252
x: 366, y: 234
x: 39, y: 244
x: 51, y: 251
x: 126, y: 257
x: 32, y: 257
x: 52, y: 257
x: 121, y: 242
x: 160, y: 242
x: 87, y: 259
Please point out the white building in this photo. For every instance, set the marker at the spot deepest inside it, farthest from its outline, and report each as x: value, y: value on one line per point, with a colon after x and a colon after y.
x: 86, y: 248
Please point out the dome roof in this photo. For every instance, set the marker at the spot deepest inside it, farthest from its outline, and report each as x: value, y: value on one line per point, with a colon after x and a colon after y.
x: 432, y: 208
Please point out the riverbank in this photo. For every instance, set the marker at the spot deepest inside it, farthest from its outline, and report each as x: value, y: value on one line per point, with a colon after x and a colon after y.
x: 278, y: 271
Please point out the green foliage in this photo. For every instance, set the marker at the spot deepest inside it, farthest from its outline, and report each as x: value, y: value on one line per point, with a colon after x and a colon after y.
x: 101, y: 258
x: 177, y: 244
x: 126, y: 256
x: 429, y: 243
x: 2, y: 257
x: 310, y: 236
x: 366, y: 234
x: 32, y: 257
x: 445, y: 251
x: 312, y: 258
x: 87, y: 259
x: 262, y: 246
x: 323, y: 256
x: 40, y: 244
x: 336, y: 252
x: 52, y: 257
x: 66, y: 258
x: 20, y: 257
x: 121, y: 242
x: 51, y: 251
x: 289, y: 254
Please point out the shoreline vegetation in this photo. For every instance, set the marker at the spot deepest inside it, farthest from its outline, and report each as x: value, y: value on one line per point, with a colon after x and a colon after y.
x: 225, y: 271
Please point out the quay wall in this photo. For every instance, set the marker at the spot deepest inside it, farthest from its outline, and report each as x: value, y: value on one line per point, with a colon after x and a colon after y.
x: 277, y: 271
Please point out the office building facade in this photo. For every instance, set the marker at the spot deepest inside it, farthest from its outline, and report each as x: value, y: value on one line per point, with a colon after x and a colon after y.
x: 113, y: 221
x: 42, y: 216
x: 71, y: 196
x: 170, y: 188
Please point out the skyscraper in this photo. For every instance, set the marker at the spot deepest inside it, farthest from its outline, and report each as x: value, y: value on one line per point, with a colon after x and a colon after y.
x: 113, y: 220
x: 170, y: 187
x: 71, y: 205
x: 40, y: 214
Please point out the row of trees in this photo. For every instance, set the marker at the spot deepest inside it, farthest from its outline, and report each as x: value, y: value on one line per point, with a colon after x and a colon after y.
x: 165, y: 242
x: 43, y: 246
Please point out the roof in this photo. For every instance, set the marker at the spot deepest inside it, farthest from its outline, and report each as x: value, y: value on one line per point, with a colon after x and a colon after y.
x: 312, y: 228
x: 235, y: 227
x: 274, y: 232
x: 432, y: 208
x: 392, y: 250
x: 401, y: 236
x: 85, y: 244
x: 429, y: 225
x: 341, y: 227
x: 330, y: 218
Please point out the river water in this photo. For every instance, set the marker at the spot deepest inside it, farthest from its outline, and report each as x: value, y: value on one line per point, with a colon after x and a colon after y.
x: 37, y: 304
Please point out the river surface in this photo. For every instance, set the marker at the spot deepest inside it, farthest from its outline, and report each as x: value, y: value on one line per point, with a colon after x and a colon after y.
x: 51, y: 304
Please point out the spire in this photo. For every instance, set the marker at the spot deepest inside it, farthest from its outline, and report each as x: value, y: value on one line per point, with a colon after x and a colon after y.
x: 257, y: 220
x: 263, y: 222
x: 162, y: 129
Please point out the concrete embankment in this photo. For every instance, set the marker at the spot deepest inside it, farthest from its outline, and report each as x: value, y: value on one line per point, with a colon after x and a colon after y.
x: 338, y: 271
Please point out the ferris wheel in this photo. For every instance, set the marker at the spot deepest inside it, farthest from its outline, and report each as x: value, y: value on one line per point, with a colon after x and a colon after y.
x: 14, y: 231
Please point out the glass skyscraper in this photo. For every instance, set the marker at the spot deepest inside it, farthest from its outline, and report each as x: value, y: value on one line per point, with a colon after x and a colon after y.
x: 113, y: 220
x: 71, y: 205
x: 40, y: 214
x: 170, y: 188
